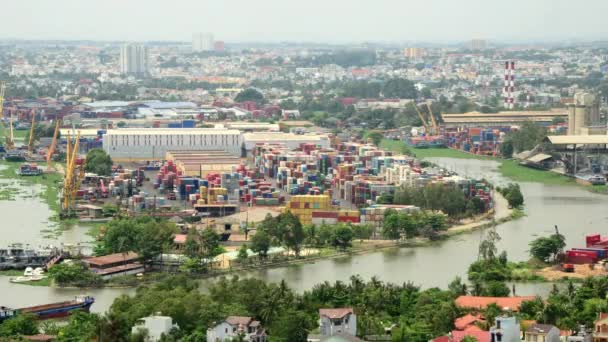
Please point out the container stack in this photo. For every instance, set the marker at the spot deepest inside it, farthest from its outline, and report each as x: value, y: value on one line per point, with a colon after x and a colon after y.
x: 304, y: 205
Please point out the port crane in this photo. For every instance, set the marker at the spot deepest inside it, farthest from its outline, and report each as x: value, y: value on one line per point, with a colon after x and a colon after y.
x: 32, y: 138
x: 430, y: 124
x: 433, y: 120
x: 424, y: 123
x: 51, y: 150
x: 70, y: 181
x: 10, y: 138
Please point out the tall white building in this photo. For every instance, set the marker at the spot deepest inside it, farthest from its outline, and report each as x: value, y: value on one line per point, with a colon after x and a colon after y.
x: 134, y: 59
x: 202, y: 42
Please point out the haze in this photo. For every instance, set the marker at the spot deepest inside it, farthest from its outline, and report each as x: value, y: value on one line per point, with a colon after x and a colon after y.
x: 311, y: 20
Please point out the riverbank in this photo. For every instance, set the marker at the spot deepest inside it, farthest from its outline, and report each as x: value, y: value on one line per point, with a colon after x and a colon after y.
x: 508, y: 168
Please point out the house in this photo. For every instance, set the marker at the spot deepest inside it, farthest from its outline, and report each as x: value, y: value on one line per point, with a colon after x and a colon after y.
x: 233, y: 326
x: 541, y: 333
x: 334, y: 321
x: 339, y: 337
x: 155, y: 326
x: 600, y: 332
x: 464, y: 322
x: 505, y: 329
x: 480, y: 303
x: 118, y: 264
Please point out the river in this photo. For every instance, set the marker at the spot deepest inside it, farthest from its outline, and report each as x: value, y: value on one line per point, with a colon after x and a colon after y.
x: 576, y: 211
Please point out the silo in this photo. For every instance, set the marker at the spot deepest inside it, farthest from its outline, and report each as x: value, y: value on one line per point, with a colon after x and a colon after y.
x: 580, y: 115
x: 571, y: 121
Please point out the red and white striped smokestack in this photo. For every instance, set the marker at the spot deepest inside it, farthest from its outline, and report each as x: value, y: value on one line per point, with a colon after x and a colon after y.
x: 507, y: 84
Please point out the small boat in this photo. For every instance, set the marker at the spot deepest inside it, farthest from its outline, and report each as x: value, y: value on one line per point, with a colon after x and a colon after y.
x: 30, y: 274
x: 53, y: 310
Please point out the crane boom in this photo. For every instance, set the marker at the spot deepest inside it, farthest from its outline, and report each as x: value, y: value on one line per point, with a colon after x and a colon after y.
x: 424, y: 123
x: 435, y: 127
x: 49, y: 153
x: 2, y: 91
x: 30, y: 143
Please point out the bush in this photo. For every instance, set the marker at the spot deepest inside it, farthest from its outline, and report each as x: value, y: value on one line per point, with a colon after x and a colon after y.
x: 74, y: 274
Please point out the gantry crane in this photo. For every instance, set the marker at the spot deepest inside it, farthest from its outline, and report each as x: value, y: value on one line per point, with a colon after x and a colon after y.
x: 51, y: 150
x: 32, y: 138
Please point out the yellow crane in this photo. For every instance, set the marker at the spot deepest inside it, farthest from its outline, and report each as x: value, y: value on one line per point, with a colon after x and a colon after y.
x: 70, y: 184
x: 424, y: 123
x: 10, y: 138
x: 435, y: 126
x: 49, y: 153
x: 2, y: 90
x: 32, y: 139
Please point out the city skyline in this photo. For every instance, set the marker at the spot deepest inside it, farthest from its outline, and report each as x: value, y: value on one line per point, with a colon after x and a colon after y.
x: 338, y: 21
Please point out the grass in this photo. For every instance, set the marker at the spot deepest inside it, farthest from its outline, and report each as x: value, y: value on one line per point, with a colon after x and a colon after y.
x: 519, y: 173
x: 18, y: 273
x: 399, y: 146
x: 19, y: 135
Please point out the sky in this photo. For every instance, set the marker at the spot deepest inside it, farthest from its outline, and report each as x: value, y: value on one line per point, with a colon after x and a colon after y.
x: 330, y: 21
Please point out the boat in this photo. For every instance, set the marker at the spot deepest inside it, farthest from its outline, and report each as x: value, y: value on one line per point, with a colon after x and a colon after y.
x: 53, y: 310
x: 29, y: 169
x: 30, y: 274
x: 14, y: 155
x: 19, y: 257
x: 590, y: 179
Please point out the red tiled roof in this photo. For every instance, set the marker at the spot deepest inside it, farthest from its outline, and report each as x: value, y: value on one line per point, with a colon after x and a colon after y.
x: 441, y: 339
x: 473, y: 302
x: 111, y: 259
x: 238, y: 320
x: 180, y: 238
x: 335, y: 313
x: 471, y: 328
x: 463, y: 322
x: 481, y: 336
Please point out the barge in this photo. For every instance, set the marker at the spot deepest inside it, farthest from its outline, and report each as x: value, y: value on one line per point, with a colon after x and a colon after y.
x: 53, y: 310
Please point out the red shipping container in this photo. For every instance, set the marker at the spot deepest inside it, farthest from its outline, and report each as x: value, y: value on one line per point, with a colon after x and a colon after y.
x: 592, y: 239
x: 580, y: 260
x: 325, y: 214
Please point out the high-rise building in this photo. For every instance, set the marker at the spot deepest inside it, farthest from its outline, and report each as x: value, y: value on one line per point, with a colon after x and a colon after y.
x: 202, y: 42
x: 414, y: 52
x: 478, y: 44
x: 219, y: 45
x: 134, y: 59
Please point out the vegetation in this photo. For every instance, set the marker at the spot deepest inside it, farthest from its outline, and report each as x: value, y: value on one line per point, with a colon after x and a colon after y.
x: 411, y: 225
x: 201, y: 247
x: 375, y: 136
x: 448, y: 199
x: 524, y: 139
x: 74, y: 274
x: 144, y: 235
x: 512, y: 193
x: 250, y: 94
x: 99, y: 162
x: 547, y: 249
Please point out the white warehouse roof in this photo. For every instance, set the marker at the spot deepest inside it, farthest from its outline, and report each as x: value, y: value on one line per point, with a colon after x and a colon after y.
x: 171, y: 131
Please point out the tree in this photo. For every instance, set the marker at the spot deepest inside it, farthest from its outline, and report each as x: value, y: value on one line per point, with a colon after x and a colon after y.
x: 469, y: 338
x: 291, y: 326
x: 506, y: 148
x: 390, y: 226
x: 81, y: 326
x: 210, y: 243
x: 192, y: 247
x: 342, y: 237
x: 75, y: 274
x: 487, y: 247
x: 99, y: 162
x: 250, y: 94
x: 458, y: 287
x: 362, y: 231
x: 260, y: 243
x: 293, y: 233
x: 547, y: 248
x: 243, y: 255
x: 121, y: 124
x: 515, y: 198
x: 375, y: 136
x: 399, y: 88
x: 495, y: 289
x: 22, y: 324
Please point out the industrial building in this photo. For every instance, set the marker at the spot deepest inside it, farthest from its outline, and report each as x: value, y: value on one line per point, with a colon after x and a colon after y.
x: 201, y: 163
x: 149, y: 144
x: 584, y: 115
x: 507, y: 118
x: 202, y: 42
x: 290, y: 140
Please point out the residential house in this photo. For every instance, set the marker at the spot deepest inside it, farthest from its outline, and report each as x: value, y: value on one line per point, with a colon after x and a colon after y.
x: 505, y: 329
x: 541, y: 333
x: 118, y: 264
x: 481, y: 303
x: 155, y: 326
x: 464, y: 322
x: 600, y: 332
x: 233, y: 326
x: 334, y: 321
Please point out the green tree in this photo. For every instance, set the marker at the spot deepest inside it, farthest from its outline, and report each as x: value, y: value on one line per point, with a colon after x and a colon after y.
x: 547, y: 249
x: 390, y: 226
x: 210, y: 243
x: 506, y: 148
x: 291, y: 326
x: 399, y: 88
x: 81, y: 326
x: 99, y: 162
x: 293, y: 237
x: 242, y: 256
x: 75, y: 273
x: 192, y: 247
x: 342, y: 237
x: 375, y: 136
x: 457, y: 287
x: 260, y: 243
x: 496, y: 289
x: 250, y: 94
x: 22, y: 324
x: 362, y: 231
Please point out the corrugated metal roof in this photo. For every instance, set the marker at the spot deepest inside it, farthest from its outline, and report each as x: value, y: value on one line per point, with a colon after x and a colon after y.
x: 171, y: 131
x: 578, y: 139
x: 539, y: 158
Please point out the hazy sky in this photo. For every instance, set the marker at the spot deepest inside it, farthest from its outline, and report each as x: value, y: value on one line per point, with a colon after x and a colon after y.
x: 305, y: 20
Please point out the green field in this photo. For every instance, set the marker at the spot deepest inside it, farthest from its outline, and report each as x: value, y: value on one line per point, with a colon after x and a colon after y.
x: 18, y: 135
x: 398, y: 146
